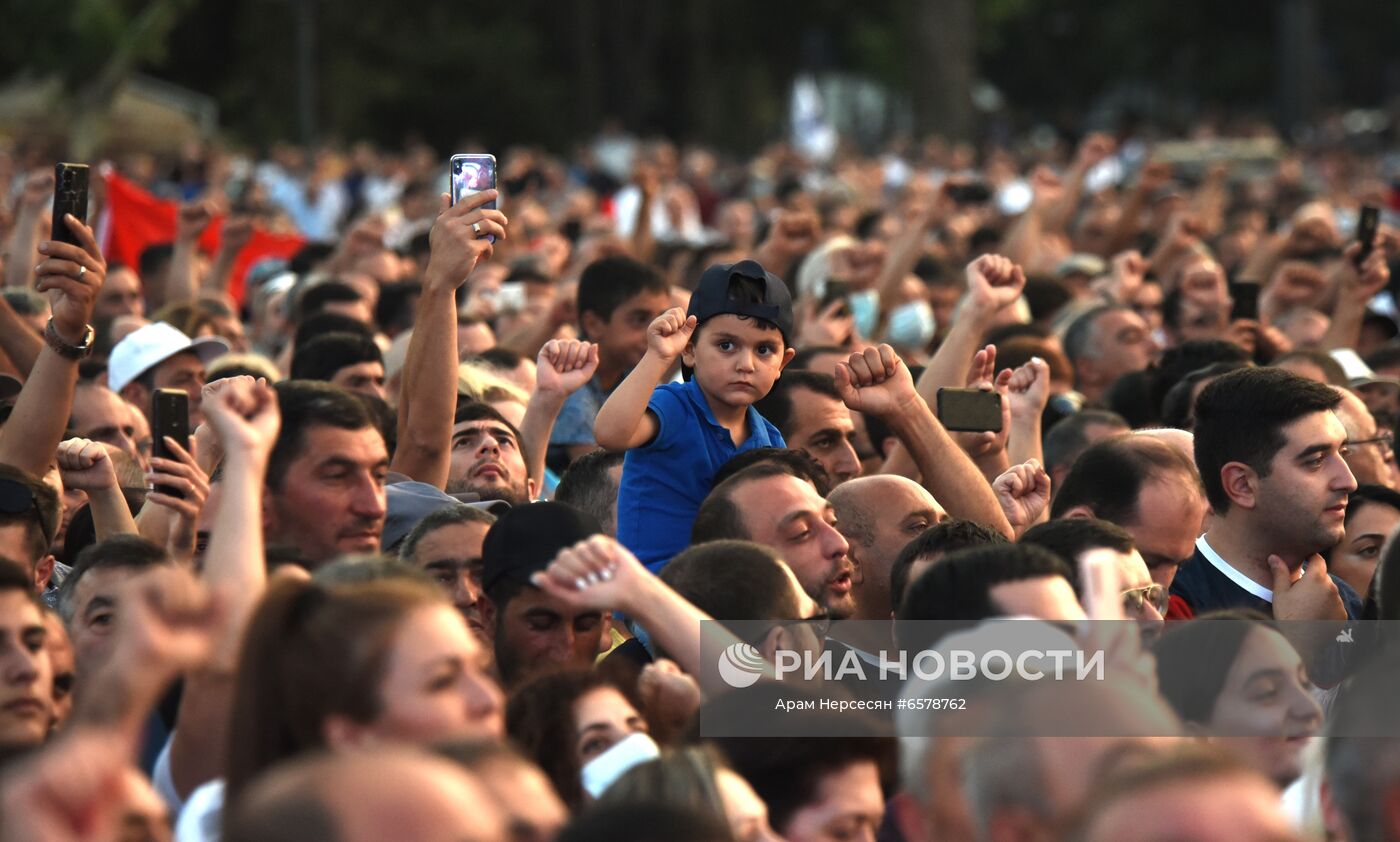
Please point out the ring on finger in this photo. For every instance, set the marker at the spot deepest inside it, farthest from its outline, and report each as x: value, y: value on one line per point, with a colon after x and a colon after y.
x: 82, y: 270
x: 476, y: 228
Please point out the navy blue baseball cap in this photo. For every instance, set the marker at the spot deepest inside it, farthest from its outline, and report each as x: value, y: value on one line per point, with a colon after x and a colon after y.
x: 712, y: 297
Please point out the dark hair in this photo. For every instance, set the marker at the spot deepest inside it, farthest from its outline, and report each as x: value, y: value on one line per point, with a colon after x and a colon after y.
x: 1131, y: 397
x: 1368, y: 493
x: 312, y: 651
x: 734, y: 581
x: 1046, y: 297
x: 498, y: 357
x: 306, y: 404
x: 323, y: 323
x: 958, y: 587
x: 787, y: 772
x: 587, y: 487
x: 645, y: 823
x: 1177, y: 406
x: 1068, y: 538
x: 799, y: 463
x: 1068, y: 438
x: 718, y: 517
x: 609, y: 281
x: 308, y: 256
x: 777, y: 405
x: 1190, y: 356
x: 43, y: 516
x: 1240, y: 417
x: 153, y: 261
x: 1194, y: 659
x: 1386, y: 356
x: 1108, y: 477
x: 14, y: 577
x: 130, y: 552
x: 951, y: 535
x: 540, y: 719
x: 315, y: 297
x: 323, y: 356
x: 802, y: 360
x: 448, y: 516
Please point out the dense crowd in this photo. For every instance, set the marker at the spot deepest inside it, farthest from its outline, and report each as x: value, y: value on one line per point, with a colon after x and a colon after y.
x: 469, y: 493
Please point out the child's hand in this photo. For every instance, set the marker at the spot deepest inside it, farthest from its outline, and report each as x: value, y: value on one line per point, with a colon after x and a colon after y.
x: 670, y: 333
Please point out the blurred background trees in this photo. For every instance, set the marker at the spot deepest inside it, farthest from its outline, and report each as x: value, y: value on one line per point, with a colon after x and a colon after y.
x: 719, y: 71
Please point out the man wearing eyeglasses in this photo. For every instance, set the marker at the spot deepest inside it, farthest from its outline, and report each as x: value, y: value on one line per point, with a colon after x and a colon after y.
x: 1369, y: 454
x: 1144, y: 600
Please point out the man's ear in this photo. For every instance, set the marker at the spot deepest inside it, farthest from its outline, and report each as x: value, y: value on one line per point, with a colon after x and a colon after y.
x: 488, y: 613
x: 777, y: 638
x: 43, y: 572
x: 1241, y: 484
x: 532, y: 489
x: 593, y: 325
x: 1080, y: 512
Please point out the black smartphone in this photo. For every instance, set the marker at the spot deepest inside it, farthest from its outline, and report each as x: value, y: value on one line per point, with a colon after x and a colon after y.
x: 973, y: 193
x: 1366, y: 226
x: 170, y: 416
x: 836, y: 291
x: 472, y: 174
x: 970, y: 410
x: 1246, y: 298
x: 70, y: 195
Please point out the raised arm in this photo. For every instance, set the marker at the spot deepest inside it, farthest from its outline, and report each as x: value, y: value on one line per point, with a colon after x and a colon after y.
x: 601, y: 574
x: 623, y: 422
x: 428, y: 396
x: 24, y: 236
x: 244, y: 415
x: 878, y: 383
x: 234, y: 235
x: 87, y: 466
x: 563, y: 367
x: 1355, y: 286
x: 73, y: 275
x: 181, y: 279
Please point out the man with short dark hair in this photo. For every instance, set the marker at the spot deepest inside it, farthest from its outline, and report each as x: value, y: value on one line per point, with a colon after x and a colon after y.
x: 1144, y: 600
x: 768, y: 505
x: 532, y: 629
x: 326, y: 475
x: 1272, y: 454
x: 488, y: 458
x: 347, y: 360
x: 446, y: 545
x: 932, y: 544
x: 88, y: 599
x: 99, y: 414
x: 30, y: 515
x: 806, y: 408
x: 1145, y: 486
x: 590, y: 485
x: 969, y: 586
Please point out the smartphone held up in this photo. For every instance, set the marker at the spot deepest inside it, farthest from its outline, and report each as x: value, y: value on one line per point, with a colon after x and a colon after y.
x: 70, y: 195
x: 472, y: 174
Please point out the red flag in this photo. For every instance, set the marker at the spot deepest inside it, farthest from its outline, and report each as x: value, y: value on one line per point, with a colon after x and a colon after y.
x: 136, y: 219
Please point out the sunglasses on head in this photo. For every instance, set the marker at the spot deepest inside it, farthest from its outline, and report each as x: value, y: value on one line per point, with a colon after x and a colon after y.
x: 16, y: 498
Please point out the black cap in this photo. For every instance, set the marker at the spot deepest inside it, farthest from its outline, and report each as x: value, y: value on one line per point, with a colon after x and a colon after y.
x: 711, y: 297
x: 526, y: 539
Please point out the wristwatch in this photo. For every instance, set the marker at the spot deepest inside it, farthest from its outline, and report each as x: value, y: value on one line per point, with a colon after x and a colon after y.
x: 63, y: 349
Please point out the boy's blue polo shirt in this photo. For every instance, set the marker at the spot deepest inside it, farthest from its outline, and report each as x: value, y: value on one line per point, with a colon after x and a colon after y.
x: 664, y: 482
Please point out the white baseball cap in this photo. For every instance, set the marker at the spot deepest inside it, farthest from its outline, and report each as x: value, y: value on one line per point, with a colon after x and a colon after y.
x: 143, y: 349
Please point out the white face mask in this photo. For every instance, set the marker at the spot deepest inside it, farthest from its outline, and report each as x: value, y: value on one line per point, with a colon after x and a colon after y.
x: 911, y: 325
x: 602, y: 771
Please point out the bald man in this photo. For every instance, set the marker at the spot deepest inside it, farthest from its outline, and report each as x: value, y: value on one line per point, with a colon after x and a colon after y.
x: 367, y: 797
x: 878, y: 515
